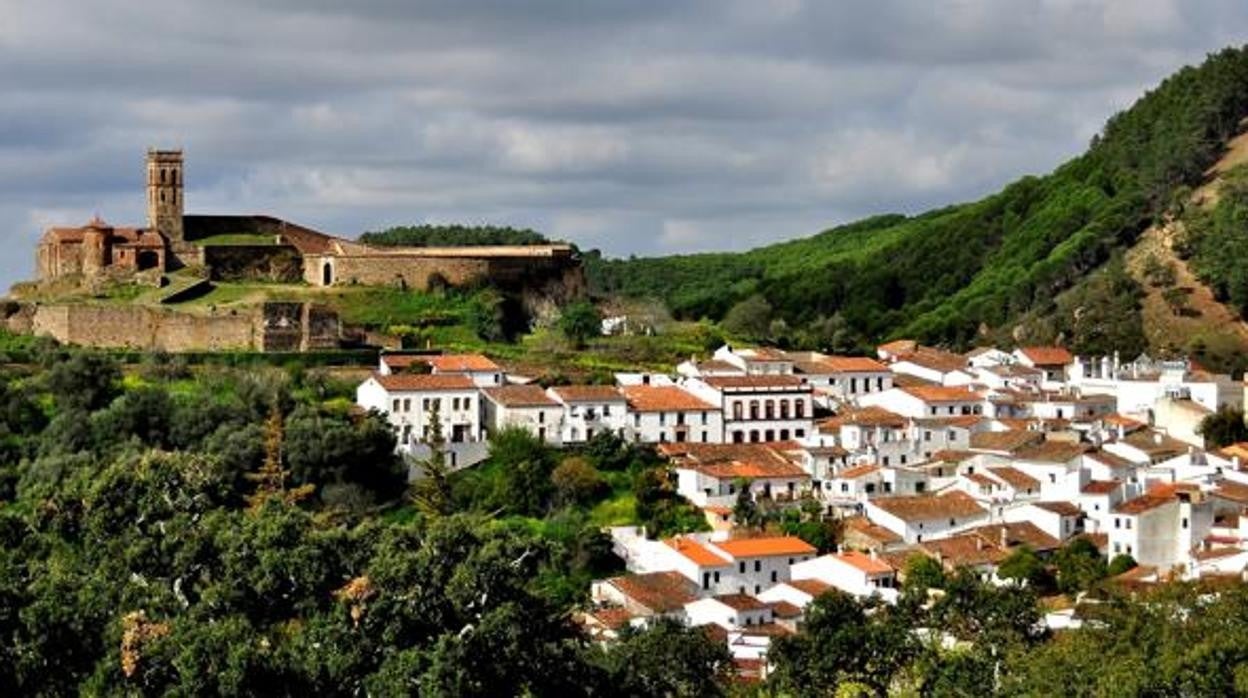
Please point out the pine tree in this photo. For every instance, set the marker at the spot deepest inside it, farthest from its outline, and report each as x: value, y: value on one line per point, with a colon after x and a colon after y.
x: 271, y: 478
x: 432, y: 492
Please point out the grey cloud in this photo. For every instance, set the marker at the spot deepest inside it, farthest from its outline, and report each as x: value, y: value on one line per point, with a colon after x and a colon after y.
x: 639, y: 128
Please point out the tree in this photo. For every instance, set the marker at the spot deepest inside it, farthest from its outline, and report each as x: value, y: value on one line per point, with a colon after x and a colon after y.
x: 1022, y: 567
x: 1079, y: 565
x: 1224, y: 427
x: 577, y: 482
x: 579, y: 322
x: 431, y: 492
x: 668, y: 658
x: 750, y: 319
x: 1120, y: 564
x: 923, y: 573
x: 745, y: 512
x: 84, y: 382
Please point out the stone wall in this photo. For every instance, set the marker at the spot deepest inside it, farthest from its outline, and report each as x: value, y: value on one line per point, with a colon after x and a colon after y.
x: 144, y: 328
x: 412, y: 272
x: 268, y: 263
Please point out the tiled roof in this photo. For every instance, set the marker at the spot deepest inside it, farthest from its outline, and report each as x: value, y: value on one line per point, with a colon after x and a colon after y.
x: 784, y: 609
x: 695, y: 552
x: 1015, y: 478
x: 1063, y: 508
x: 941, y: 393
x: 898, y: 346
x: 857, y: 472
x: 840, y: 364
x: 748, y: 470
x: 1121, y: 420
x: 1005, y: 441
x: 935, y: 359
x: 661, y: 592
x: 716, y: 366
x: 1232, y: 491
x: 520, y: 396
x: 928, y: 507
x: 864, y: 562
x: 814, y: 587
x: 863, y: 526
x: 1051, y: 452
x: 865, y: 416
x: 737, y: 460
x: 1155, y: 444
x: 783, y: 381
x: 462, y: 363
x: 1048, y: 356
x: 663, y: 398
x: 588, y: 393
x: 1153, y: 498
x: 416, y: 382
x: 740, y: 602
x: 1112, y: 460
x: 766, y: 547
x: 1101, y: 486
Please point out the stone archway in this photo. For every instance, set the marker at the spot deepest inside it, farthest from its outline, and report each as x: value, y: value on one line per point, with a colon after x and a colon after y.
x: 327, y: 274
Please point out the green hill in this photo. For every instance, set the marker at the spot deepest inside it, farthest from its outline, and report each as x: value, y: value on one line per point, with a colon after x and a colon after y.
x: 1019, y: 257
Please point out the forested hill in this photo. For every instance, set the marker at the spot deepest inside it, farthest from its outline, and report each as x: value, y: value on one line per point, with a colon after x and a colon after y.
x: 452, y: 236
x: 946, y: 276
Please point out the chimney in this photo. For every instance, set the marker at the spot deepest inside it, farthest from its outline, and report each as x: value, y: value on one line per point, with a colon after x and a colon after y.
x: 1005, y: 536
x: 1157, y: 438
x: 979, y: 543
x: 873, y: 554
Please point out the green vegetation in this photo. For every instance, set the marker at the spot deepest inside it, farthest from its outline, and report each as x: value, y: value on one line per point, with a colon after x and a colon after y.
x: 233, y: 239
x: 453, y: 236
x: 1216, y: 241
x: 946, y: 276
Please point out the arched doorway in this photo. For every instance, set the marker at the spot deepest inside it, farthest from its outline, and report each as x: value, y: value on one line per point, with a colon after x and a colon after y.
x: 327, y: 274
x: 147, y: 259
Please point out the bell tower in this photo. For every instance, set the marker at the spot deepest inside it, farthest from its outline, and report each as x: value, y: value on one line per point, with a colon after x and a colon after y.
x: 164, y: 193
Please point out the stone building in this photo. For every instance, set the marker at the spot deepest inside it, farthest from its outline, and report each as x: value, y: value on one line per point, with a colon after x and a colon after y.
x: 283, y: 252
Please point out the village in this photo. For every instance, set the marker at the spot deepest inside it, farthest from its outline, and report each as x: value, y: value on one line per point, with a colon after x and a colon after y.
x: 963, y: 459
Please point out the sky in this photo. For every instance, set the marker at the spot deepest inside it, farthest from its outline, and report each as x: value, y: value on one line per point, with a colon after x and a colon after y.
x: 636, y: 127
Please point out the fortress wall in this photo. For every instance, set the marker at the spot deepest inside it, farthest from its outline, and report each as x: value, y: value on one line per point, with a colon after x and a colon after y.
x: 392, y: 270
x: 143, y: 328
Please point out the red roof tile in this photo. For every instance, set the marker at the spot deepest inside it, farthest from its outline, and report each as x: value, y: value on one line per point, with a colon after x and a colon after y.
x: 663, y: 398
x: 520, y: 396
x: 766, y: 547
x: 416, y: 382
x: 1048, y: 356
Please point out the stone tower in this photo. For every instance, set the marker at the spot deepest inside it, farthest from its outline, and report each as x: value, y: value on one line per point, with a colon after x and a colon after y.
x: 96, y: 247
x: 164, y: 193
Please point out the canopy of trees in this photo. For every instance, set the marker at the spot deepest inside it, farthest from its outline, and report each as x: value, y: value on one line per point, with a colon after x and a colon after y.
x: 453, y: 236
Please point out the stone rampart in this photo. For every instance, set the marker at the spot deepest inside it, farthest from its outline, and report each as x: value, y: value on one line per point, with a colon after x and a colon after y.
x: 143, y: 328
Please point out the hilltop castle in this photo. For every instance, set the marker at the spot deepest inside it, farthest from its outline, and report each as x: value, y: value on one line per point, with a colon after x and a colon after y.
x: 274, y: 250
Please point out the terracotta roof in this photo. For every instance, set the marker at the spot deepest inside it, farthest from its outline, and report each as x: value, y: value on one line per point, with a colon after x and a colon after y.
x: 611, y: 617
x: 864, y: 562
x: 1101, y: 486
x: 755, y: 460
x: 661, y: 592
x: 981, y: 479
x: 1121, y: 420
x: 415, y: 382
x: 762, y: 354
x: 1048, y: 356
x: 949, y: 455
x: 663, y: 398
x: 864, y: 416
x: 520, y: 396
x: 588, y: 393
x: 784, y: 609
x: 1112, y: 460
x: 929, y: 507
x: 965, y: 549
x: 898, y: 346
x: 1015, y: 478
x: 857, y: 472
x: 766, y: 547
x: 1145, y: 502
x: 1051, y: 452
x: 1232, y: 491
x: 695, y: 552
x: 783, y: 381
x: 716, y: 366
x: 814, y: 587
x: 1004, y: 441
x: 844, y: 364
x: 740, y: 602
x: 935, y: 359
x: 402, y: 361
x: 941, y: 393
x: 1063, y: 508
x: 1155, y: 444
x: 962, y: 421
x: 863, y: 526
x: 462, y: 363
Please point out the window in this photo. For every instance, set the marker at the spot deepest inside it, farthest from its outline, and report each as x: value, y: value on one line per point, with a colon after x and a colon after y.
x: 704, y: 418
x: 799, y: 409
x: 799, y: 433
x: 706, y: 580
x: 885, y: 460
x: 704, y: 439
x: 1184, y: 522
x: 753, y: 409
x: 758, y: 565
x: 637, y: 419
x: 717, y: 578
x: 853, y: 385
x: 1117, y: 522
x: 396, y: 406
x: 927, y: 436
x: 738, y: 437
x: 738, y: 408
x: 953, y: 522
x: 541, y: 433
x: 774, y: 576
x: 757, y: 588
x: 662, y: 418
x: 753, y: 436
x: 741, y: 567
x: 933, y: 410
x: 770, y: 434
x: 784, y: 434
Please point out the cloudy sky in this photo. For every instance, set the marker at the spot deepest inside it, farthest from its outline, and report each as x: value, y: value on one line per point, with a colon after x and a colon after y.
x: 633, y: 126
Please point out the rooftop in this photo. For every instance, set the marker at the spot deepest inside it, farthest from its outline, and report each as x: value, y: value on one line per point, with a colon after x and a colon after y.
x: 1047, y: 356
x: 520, y: 396
x: 1004, y: 441
x: 417, y: 382
x: 766, y: 547
x: 663, y: 398
x: 941, y: 393
x: 588, y: 393
x: 929, y: 507
x: 864, y: 562
x: 661, y: 592
x: 782, y: 381
x: 741, y: 602
x: 1015, y: 478
x: 695, y: 552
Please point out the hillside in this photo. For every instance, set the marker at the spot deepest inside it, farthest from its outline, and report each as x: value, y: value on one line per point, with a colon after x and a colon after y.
x: 999, y: 266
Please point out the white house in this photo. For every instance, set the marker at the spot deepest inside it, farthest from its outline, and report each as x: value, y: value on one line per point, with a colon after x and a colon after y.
x: 729, y: 611
x: 756, y: 361
x: 842, y: 377
x: 409, y: 401
x: 758, y: 408
x: 921, y: 517
x: 853, y: 572
x: 647, y: 595
x: 589, y: 410
x: 927, y: 401
x: 480, y: 369
x: 742, y: 566
x: 526, y: 407
x: 708, y: 474
x: 1162, y: 527
x: 669, y: 413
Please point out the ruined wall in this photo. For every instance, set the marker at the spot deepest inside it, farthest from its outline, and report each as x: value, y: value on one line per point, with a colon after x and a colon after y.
x: 143, y: 328
x: 268, y: 263
x: 394, y: 270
